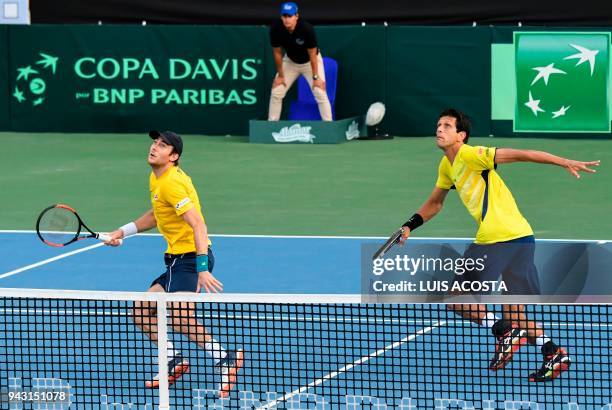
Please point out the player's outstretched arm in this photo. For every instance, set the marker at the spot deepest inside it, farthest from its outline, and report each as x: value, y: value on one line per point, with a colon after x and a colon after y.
x: 428, y: 210
x: 507, y: 155
x: 144, y: 223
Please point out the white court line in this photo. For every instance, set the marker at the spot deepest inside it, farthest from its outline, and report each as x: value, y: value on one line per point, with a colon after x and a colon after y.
x: 272, y: 404
x: 426, y: 238
x: 53, y: 259
x: 46, y: 261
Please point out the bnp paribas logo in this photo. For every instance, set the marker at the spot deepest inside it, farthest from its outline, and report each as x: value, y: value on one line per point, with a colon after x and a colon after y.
x: 562, y: 82
x: 31, y: 80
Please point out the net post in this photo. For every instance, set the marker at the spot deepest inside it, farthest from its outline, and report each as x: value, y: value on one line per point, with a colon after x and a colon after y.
x: 162, y: 352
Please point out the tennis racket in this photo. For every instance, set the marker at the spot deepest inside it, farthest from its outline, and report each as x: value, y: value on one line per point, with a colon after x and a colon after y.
x: 59, y: 225
x: 393, y: 239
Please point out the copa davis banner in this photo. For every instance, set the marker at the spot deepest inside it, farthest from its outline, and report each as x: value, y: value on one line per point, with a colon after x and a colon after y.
x: 196, y: 79
x: 433, y: 270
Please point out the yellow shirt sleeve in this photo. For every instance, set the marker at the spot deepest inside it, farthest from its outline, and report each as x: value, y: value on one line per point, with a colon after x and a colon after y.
x: 444, y: 179
x: 177, y: 195
x: 478, y: 158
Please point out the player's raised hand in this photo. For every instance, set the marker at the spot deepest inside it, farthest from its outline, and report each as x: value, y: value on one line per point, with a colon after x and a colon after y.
x: 575, y: 167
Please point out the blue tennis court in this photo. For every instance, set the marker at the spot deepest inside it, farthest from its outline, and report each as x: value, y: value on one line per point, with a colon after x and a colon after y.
x: 243, y: 264
x: 323, y: 352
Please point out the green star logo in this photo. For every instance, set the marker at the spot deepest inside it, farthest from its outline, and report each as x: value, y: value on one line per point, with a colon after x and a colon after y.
x: 24, y: 72
x: 30, y: 84
x: 18, y: 94
x: 48, y: 61
x: 562, y: 82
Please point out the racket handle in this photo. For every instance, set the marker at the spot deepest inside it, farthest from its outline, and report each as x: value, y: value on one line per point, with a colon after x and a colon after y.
x: 106, y: 238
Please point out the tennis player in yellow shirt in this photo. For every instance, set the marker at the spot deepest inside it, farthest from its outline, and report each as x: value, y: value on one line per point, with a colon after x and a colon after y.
x: 189, y: 259
x: 503, y: 232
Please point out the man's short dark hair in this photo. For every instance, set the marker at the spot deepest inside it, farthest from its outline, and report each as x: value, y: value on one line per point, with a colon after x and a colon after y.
x: 463, y: 121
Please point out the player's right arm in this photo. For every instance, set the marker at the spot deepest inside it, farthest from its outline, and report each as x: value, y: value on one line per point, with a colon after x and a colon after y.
x: 428, y: 210
x: 144, y: 223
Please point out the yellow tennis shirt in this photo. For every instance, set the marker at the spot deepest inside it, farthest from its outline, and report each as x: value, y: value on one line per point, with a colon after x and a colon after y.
x: 484, y: 194
x: 173, y: 194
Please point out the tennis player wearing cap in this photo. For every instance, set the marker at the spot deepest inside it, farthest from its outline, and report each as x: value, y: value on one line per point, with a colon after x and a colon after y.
x: 297, y: 37
x: 504, y: 235
x: 189, y: 259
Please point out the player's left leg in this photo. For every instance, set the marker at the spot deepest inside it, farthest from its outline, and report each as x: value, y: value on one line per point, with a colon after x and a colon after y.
x: 183, y: 318
x: 523, y: 274
x: 555, y: 358
x: 509, y: 337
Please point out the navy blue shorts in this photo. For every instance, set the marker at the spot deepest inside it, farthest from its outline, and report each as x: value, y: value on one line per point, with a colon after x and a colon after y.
x: 513, y: 261
x: 181, y: 274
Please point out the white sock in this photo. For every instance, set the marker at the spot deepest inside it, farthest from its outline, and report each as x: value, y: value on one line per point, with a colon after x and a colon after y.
x: 216, y: 350
x: 489, y: 320
x: 171, y: 352
x: 542, y: 340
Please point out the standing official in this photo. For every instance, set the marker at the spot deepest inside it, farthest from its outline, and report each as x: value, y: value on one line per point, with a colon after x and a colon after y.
x: 302, y: 57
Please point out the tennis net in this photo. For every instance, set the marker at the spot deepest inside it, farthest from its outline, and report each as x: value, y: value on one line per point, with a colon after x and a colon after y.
x: 88, y: 350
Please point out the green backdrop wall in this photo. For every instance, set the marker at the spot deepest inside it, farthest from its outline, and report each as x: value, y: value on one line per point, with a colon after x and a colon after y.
x: 4, y: 84
x: 429, y: 69
x: 361, y: 54
x: 214, y: 79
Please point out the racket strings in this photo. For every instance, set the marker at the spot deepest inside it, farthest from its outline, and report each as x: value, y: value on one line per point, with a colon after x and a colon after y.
x: 58, y: 226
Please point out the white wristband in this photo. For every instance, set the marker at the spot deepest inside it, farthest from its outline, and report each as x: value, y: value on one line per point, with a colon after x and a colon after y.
x: 129, y: 229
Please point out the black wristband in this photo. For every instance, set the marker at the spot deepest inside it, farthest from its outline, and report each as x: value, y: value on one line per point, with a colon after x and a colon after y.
x: 414, y: 222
